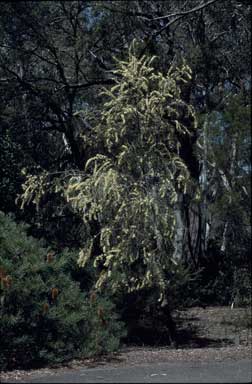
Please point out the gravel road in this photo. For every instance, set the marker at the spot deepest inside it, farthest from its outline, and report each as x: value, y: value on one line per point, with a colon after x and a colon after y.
x: 181, y: 372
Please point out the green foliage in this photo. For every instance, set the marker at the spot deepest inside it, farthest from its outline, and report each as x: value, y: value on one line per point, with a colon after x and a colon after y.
x: 147, y: 321
x: 45, y: 317
x: 53, y: 58
x: 242, y: 286
x: 105, y: 330
x: 226, y: 265
x: 10, y: 160
x: 130, y: 189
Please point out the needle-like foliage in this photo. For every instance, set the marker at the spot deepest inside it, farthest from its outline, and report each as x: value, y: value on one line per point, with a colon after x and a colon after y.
x: 131, y: 187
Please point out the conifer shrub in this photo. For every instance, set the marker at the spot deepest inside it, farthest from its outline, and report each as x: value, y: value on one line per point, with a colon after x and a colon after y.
x: 45, y: 318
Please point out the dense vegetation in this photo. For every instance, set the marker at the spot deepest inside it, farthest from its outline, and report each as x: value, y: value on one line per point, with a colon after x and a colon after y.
x: 125, y: 146
x: 45, y: 316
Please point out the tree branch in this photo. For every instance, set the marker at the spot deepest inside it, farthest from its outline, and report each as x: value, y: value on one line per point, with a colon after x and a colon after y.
x: 91, y: 83
x: 149, y: 17
x: 129, y: 13
x: 184, y: 13
x: 179, y: 15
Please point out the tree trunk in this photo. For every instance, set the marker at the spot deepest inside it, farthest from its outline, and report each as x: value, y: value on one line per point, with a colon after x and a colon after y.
x: 228, y: 184
x: 203, y: 180
x: 179, y: 229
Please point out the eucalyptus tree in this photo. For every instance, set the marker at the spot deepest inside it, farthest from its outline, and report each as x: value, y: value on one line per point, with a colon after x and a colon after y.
x: 228, y: 180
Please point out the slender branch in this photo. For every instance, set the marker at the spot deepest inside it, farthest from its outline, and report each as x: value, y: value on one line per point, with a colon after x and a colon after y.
x: 218, y: 36
x: 179, y: 15
x: 149, y: 17
x: 99, y: 61
x: 129, y: 13
x: 184, y: 13
x: 91, y: 83
x: 73, y: 86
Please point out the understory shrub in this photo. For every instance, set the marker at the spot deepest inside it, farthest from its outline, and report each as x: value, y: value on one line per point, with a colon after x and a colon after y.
x: 45, y: 318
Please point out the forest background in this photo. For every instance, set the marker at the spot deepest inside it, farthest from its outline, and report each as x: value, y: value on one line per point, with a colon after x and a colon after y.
x: 125, y: 187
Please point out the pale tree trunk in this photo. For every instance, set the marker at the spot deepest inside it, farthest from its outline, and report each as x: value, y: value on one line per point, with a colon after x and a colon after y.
x: 203, y: 180
x: 179, y: 229
x: 224, y: 237
x: 228, y: 185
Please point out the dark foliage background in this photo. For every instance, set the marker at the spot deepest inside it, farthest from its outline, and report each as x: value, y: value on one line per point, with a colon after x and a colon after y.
x: 54, y: 59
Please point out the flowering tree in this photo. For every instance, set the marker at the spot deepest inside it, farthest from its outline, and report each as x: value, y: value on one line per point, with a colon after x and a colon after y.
x: 131, y: 186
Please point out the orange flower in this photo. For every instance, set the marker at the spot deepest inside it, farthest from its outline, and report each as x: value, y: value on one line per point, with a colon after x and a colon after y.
x: 55, y: 293
x: 2, y: 273
x: 7, y: 281
x: 92, y: 297
x: 50, y: 256
x: 100, y: 313
x: 45, y: 308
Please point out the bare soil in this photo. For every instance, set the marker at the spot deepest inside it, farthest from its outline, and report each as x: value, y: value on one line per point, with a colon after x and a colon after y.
x: 210, y: 334
x: 214, y: 327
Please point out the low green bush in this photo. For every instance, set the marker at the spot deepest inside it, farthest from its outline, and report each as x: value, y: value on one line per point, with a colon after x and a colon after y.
x: 45, y: 318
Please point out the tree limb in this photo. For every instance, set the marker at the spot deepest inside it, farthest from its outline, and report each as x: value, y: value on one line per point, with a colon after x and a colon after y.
x: 179, y: 15
x: 91, y: 83
x: 149, y: 17
x: 184, y: 13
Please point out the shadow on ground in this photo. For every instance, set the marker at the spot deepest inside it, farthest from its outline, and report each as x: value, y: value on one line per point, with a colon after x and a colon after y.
x: 188, y: 338
x: 188, y: 335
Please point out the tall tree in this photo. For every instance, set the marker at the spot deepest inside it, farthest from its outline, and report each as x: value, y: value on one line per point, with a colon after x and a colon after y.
x: 55, y: 56
x: 132, y: 184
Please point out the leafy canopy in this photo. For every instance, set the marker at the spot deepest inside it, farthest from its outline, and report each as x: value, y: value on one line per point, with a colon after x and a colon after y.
x: 131, y: 185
